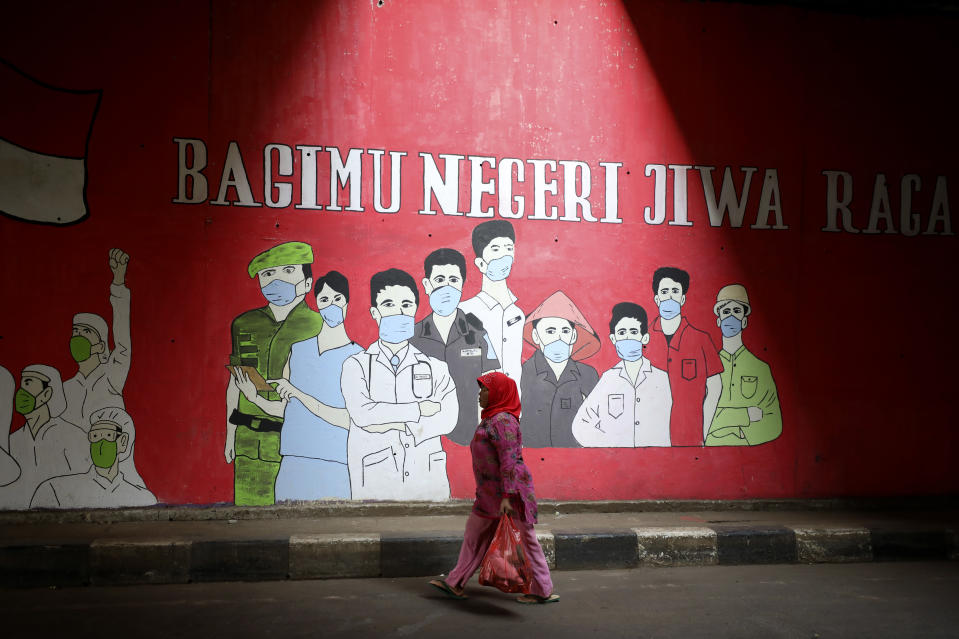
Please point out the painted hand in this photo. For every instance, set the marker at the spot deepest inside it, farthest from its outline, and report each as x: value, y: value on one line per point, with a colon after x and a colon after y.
x: 229, y: 450
x: 429, y: 408
x: 286, y: 390
x: 118, y: 264
x: 245, y: 384
x: 755, y: 413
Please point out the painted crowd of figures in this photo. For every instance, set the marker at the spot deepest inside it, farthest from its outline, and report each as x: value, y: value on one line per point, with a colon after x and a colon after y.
x: 75, y: 449
x: 312, y: 415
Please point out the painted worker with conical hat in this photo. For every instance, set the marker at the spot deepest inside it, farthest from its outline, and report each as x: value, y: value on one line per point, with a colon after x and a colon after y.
x: 554, y: 380
x: 262, y: 339
x: 748, y: 412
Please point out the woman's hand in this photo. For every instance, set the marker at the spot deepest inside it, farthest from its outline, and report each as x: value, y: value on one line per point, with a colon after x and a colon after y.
x: 505, y: 506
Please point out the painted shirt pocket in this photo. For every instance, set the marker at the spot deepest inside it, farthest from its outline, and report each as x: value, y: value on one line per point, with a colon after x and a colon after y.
x: 379, y: 466
x: 616, y: 406
x: 437, y: 462
x: 747, y: 385
x: 422, y: 380
x: 689, y: 369
x: 565, y: 403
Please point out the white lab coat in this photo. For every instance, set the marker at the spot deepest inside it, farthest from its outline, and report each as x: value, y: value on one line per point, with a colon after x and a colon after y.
x: 408, y: 465
x: 618, y: 414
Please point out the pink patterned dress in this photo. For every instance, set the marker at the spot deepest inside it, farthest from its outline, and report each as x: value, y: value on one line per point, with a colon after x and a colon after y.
x: 497, y: 451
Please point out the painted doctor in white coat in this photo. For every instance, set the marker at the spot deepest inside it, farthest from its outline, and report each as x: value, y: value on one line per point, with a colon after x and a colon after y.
x: 400, y: 401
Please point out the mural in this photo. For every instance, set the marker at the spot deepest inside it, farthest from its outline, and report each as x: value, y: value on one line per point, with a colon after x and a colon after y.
x: 103, y: 485
x: 453, y: 336
x: 76, y: 447
x: 400, y: 401
x: 611, y: 186
x: 748, y: 410
x: 555, y: 382
x: 262, y: 340
x: 494, y: 244
x: 44, y: 135
x: 688, y: 356
x: 9, y: 468
x: 46, y: 445
x: 313, y: 440
x: 631, y: 403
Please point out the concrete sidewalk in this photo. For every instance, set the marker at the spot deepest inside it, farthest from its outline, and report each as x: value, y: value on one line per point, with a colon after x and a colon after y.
x: 179, y: 545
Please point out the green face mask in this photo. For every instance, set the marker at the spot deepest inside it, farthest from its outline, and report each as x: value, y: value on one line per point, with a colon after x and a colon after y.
x: 80, y: 348
x: 24, y: 402
x: 103, y: 453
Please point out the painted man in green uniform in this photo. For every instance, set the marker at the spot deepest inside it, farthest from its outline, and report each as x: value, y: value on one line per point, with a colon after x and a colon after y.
x: 262, y: 339
x: 748, y: 411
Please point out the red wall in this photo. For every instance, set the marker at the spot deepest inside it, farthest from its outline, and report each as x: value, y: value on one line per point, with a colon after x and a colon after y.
x: 857, y: 327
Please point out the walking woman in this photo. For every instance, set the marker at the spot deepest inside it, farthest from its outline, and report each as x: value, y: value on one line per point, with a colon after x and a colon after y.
x: 503, y: 484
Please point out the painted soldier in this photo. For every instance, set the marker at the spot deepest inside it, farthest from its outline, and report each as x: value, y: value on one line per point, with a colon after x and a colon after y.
x: 262, y: 339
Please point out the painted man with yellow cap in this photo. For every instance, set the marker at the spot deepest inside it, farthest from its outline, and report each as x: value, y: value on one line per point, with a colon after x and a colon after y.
x: 554, y: 380
x: 748, y: 412
x: 262, y: 339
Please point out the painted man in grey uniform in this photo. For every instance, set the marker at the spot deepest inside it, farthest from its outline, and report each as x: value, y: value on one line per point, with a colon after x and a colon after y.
x: 454, y: 336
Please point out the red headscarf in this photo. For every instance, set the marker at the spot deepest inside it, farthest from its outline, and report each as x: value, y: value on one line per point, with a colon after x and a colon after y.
x: 503, y: 396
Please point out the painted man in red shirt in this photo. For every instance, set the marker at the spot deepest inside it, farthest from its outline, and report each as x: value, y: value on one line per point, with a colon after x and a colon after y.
x: 688, y: 355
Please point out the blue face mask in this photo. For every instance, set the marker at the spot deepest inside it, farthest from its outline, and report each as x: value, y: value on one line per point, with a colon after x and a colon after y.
x: 444, y: 299
x: 279, y: 292
x: 557, y: 351
x: 499, y: 268
x: 731, y: 325
x: 396, y: 328
x: 332, y: 315
x: 669, y: 308
x: 629, y: 349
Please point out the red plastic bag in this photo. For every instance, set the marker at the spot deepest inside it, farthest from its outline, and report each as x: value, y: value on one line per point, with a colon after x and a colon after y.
x: 505, y: 565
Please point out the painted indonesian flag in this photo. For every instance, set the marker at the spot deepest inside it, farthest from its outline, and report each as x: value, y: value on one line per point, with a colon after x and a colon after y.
x: 44, y: 133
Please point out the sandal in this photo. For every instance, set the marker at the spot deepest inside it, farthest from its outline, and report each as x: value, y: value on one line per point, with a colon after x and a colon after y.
x: 447, y: 589
x: 536, y: 599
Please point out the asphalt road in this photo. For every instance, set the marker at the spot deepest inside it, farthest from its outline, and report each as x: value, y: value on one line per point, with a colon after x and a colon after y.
x: 803, y: 601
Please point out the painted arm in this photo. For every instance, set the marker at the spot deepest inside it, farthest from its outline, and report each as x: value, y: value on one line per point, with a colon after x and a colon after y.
x: 714, y: 389
x: 444, y: 421
x: 587, y: 426
x: 232, y: 397
x: 363, y: 410
x: 248, y: 388
x: 335, y: 416
x: 662, y: 409
x: 119, y: 365
x: 9, y: 469
x: 769, y: 424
